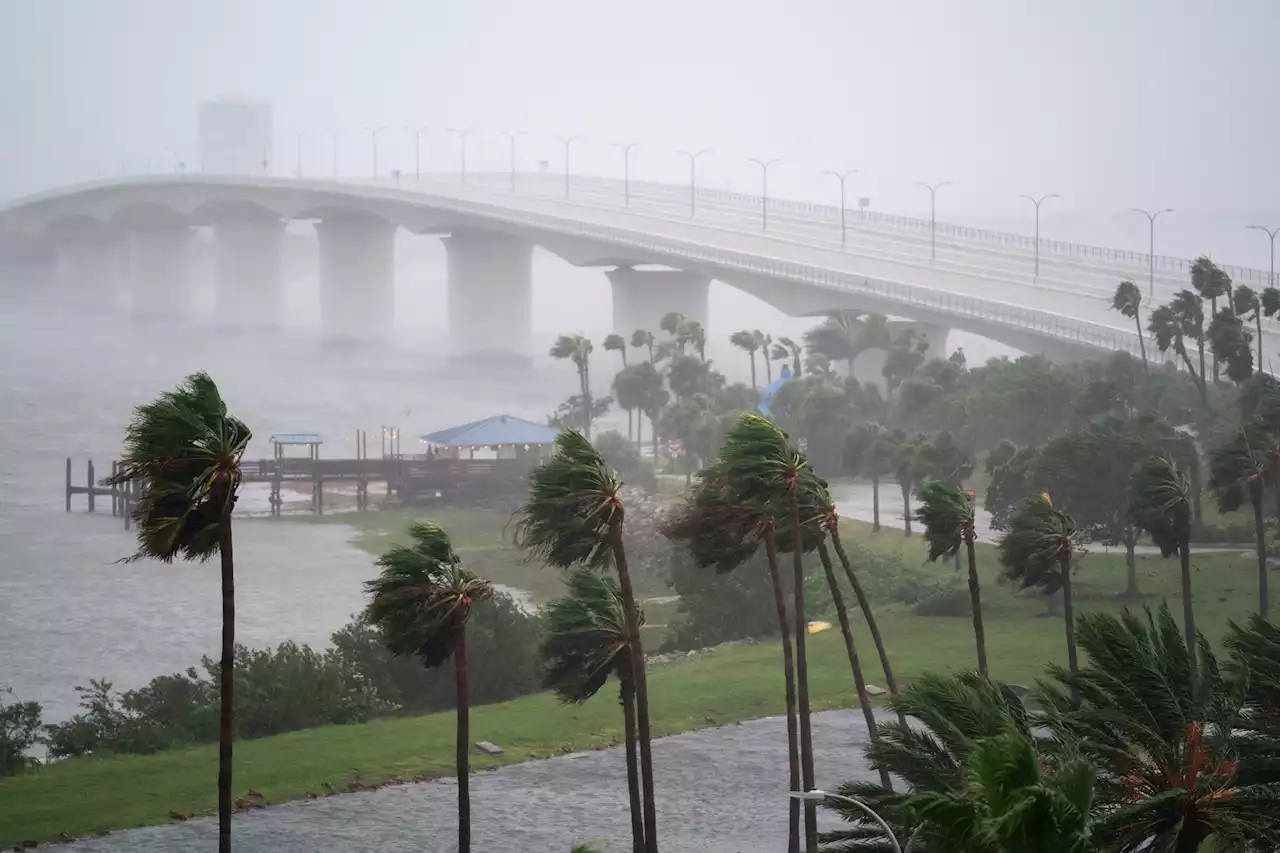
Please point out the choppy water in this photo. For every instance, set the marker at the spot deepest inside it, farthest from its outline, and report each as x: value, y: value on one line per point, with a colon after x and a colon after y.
x: 68, y: 612
x: 719, y: 791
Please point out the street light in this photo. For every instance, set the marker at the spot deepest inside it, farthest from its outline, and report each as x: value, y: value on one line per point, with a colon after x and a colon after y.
x: 764, y: 190
x: 335, y: 134
x: 373, y: 133
x: 693, y: 177
x: 1271, y: 234
x: 841, y: 177
x: 1151, y: 251
x: 933, y: 216
x: 566, y: 143
x: 417, y: 149
x: 820, y: 796
x: 513, y: 137
x: 462, y: 142
x: 1037, y: 202
x: 625, y: 148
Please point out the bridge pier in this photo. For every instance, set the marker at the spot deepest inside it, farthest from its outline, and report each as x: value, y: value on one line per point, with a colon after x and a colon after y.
x: 159, y: 264
x: 642, y: 297
x: 357, y: 276
x: 247, y: 263
x: 490, y: 293
x: 88, y: 274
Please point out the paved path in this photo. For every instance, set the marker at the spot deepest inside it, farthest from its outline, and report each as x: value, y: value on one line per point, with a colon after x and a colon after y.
x: 719, y: 791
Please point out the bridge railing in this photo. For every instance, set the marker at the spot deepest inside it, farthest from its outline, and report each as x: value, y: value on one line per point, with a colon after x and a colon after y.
x: 1091, y: 335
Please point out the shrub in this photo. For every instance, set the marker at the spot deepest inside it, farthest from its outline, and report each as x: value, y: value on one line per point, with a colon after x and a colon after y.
x: 716, y: 608
x: 19, y: 732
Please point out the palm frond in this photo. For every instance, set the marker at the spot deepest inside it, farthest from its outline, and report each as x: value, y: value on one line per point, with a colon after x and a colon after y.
x: 1040, y: 536
x: 946, y: 513
x: 572, y: 506
x: 585, y: 639
x: 1160, y: 502
x: 183, y: 450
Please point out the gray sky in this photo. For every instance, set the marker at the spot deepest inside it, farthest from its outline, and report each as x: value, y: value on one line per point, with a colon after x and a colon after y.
x: 1111, y: 103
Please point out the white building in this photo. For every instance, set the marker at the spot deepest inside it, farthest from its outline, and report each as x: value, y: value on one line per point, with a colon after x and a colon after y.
x: 235, y: 136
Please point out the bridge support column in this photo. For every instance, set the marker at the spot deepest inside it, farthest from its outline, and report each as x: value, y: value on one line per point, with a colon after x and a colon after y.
x: 88, y: 274
x: 642, y: 297
x: 159, y: 259
x: 247, y: 263
x: 490, y: 293
x: 357, y: 276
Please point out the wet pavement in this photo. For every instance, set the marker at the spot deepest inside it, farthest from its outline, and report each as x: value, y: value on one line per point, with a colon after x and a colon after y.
x: 720, y: 790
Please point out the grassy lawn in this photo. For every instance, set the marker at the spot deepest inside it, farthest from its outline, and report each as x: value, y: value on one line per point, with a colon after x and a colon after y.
x: 83, y: 796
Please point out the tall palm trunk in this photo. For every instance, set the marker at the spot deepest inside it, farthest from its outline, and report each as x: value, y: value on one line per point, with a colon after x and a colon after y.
x: 789, y: 688
x: 768, y: 370
x: 639, y: 430
x: 864, y: 604
x: 975, y: 603
x: 586, y: 399
x: 641, y: 687
x: 653, y: 430
x: 802, y: 677
x: 462, y: 741
x: 1131, y: 592
x: 1260, y: 535
x: 633, y: 770
x: 226, y: 682
x: 851, y: 649
x: 1142, y: 344
x: 1188, y: 609
x: 753, y: 369
x: 906, y: 507
x: 1069, y: 617
x: 1213, y: 312
x: 875, y: 504
x: 629, y: 429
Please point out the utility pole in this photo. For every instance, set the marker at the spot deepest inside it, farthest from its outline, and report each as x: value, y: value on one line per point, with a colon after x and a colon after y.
x: 567, y: 143
x: 417, y: 149
x: 1151, y: 247
x: 841, y: 177
x: 1037, y: 202
x: 625, y: 148
x: 513, y: 137
x: 933, y: 216
x: 764, y: 190
x: 693, y: 177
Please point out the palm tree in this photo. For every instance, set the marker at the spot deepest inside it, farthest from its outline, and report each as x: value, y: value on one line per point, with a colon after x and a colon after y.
x: 421, y: 602
x: 904, y: 450
x: 786, y: 348
x: 865, y: 456
x: 642, y: 338
x: 618, y: 344
x: 947, y: 515
x: 1238, y: 469
x: 1008, y: 799
x: 723, y: 530
x: 629, y: 387
x: 766, y: 353
x: 670, y: 323
x: 656, y: 398
x: 748, y: 342
x: 691, y: 333
x: 1037, y: 551
x: 1128, y: 301
x: 183, y: 452
x: 1160, y: 504
x: 1210, y: 282
x: 954, y: 714
x: 1178, y: 758
x: 585, y: 641
x: 578, y: 349
x: 574, y: 514
x: 763, y: 467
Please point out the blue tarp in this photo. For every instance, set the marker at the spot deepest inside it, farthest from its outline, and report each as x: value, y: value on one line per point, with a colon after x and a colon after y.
x: 499, y: 429
x: 766, y: 393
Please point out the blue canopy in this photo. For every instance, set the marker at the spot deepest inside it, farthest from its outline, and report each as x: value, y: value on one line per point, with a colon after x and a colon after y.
x: 766, y: 393
x: 499, y: 429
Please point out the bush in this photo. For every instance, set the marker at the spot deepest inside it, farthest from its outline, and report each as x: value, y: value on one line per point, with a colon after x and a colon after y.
x: 626, y: 460
x: 716, y: 608
x: 19, y: 732
x: 295, y: 687
x: 945, y: 600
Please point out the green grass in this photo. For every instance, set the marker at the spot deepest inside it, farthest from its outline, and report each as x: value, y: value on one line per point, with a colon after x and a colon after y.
x: 82, y: 796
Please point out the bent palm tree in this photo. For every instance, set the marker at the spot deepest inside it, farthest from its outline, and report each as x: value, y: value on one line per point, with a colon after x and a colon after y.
x: 1160, y: 504
x: 787, y: 348
x: 948, y: 518
x: 1128, y: 301
x: 585, y: 642
x: 644, y: 339
x: 183, y: 451
x: 1037, y: 551
x: 574, y: 514
x: 749, y: 342
x: 421, y: 602
x: 1237, y: 469
x: 577, y: 349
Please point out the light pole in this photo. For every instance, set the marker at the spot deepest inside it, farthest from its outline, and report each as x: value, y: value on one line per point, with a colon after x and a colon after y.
x: 566, y: 143
x: 373, y: 134
x: 335, y: 134
x: 417, y: 150
x: 693, y: 177
x: 764, y: 189
x: 933, y: 216
x: 819, y: 796
x: 841, y: 177
x: 462, y: 143
x: 1037, y: 202
x: 298, y: 153
x: 625, y: 148
x: 513, y: 137
x: 1271, y: 234
x: 1151, y: 250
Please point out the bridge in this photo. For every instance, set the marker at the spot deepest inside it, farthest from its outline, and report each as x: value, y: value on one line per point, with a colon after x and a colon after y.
x: 804, y: 259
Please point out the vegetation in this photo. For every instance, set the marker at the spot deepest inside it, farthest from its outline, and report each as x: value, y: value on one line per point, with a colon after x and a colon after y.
x: 947, y: 516
x: 183, y: 453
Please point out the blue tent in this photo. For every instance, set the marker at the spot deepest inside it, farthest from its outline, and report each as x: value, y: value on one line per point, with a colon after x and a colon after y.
x: 766, y: 393
x: 497, y: 430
